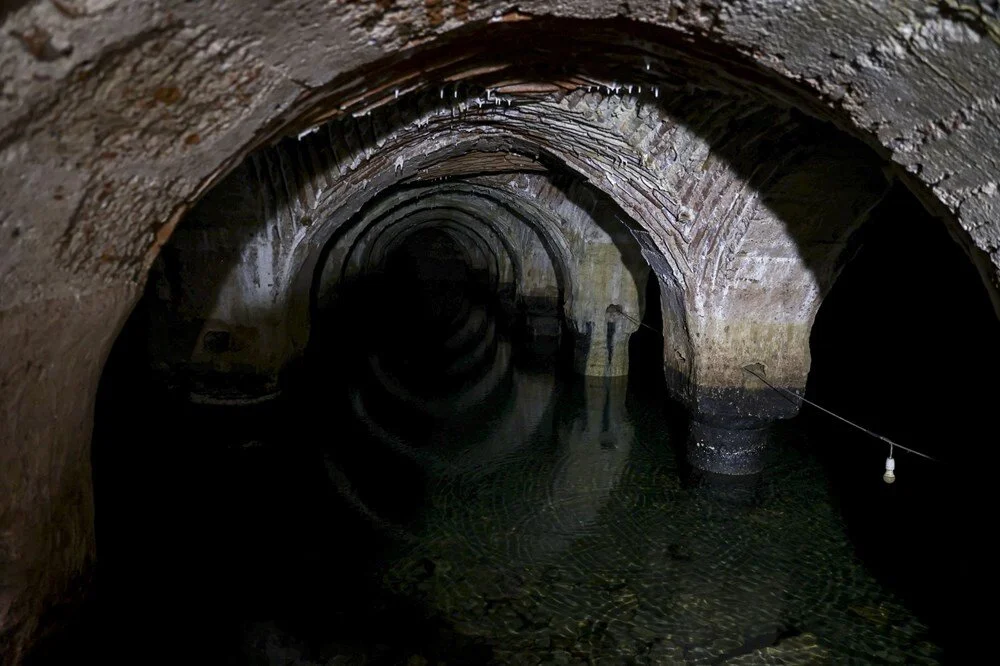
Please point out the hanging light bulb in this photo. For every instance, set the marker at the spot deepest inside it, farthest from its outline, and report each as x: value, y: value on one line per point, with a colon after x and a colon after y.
x: 890, y: 470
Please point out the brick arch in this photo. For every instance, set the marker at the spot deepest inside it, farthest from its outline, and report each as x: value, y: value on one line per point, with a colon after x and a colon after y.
x: 105, y: 146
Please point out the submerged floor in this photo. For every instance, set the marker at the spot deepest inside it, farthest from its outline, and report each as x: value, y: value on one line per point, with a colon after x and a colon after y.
x: 577, y: 540
x: 570, y: 549
x: 549, y: 522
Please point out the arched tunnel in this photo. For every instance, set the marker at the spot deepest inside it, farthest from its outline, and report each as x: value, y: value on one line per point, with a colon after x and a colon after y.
x: 463, y: 333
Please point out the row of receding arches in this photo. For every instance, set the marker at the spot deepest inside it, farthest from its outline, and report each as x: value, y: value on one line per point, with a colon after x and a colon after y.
x: 551, y: 249
x: 741, y: 211
x: 544, y: 262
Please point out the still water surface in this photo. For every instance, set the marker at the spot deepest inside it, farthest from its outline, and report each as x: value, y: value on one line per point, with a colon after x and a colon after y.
x: 525, y: 517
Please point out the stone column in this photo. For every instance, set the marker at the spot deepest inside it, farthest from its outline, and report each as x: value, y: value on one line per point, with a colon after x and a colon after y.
x: 600, y: 348
x: 729, y: 428
x: 731, y: 409
x: 223, y: 325
x: 757, y: 268
x: 604, y: 286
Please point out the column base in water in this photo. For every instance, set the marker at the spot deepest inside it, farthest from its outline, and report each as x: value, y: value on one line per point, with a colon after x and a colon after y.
x: 734, y: 451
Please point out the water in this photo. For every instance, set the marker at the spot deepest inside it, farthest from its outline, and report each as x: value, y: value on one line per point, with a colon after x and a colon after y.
x: 503, y: 512
x: 572, y: 538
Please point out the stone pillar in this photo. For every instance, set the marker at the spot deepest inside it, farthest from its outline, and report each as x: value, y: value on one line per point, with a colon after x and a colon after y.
x: 729, y: 428
x: 219, y: 346
x: 600, y: 348
x: 224, y: 322
x: 731, y: 410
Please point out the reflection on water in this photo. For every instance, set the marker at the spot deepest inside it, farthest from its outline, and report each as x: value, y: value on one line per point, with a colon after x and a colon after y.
x: 578, y: 542
x: 507, y: 514
x: 554, y: 527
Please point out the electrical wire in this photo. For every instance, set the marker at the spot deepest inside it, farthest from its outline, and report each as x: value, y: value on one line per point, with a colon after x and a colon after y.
x: 615, y: 309
x: 785, y: 393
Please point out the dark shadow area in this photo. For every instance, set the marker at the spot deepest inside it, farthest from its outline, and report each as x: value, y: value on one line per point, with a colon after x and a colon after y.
x: 906, y: 345
x: 646, y: 344
x: 260, y: 529
x: 403, y: 346
x: 225, y: 537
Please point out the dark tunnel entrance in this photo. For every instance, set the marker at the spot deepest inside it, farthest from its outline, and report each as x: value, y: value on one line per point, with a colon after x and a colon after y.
x: 416, y: 310
x: 905, y: 345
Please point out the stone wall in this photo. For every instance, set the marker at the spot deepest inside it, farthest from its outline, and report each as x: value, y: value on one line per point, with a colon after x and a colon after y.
x: 115, y: 117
